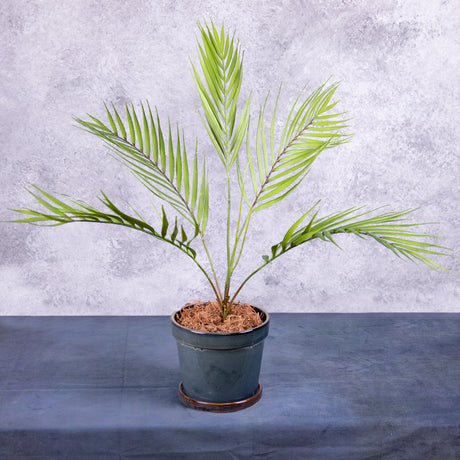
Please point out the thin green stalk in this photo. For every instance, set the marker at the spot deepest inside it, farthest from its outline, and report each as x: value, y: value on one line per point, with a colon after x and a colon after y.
x: 218, y: 293
x: 237, y: 235
x: 207, y: 277
x: 226, y: 306
x: 244, y: 231
x: 229, y: 266
x: 254, y: 272
x: 249, y: 277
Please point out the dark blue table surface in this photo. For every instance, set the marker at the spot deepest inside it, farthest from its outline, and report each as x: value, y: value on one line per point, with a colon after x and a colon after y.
x: 338, y: 386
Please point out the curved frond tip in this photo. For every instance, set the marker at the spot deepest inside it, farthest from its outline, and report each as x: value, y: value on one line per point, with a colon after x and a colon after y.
x: 59, y: 212
x: 391, y: 230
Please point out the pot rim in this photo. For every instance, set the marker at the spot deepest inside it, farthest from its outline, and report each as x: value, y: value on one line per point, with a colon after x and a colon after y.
x: 221, y: 334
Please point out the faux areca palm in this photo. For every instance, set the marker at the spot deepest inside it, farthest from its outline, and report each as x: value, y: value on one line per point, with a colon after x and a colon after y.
x: 268, y: 171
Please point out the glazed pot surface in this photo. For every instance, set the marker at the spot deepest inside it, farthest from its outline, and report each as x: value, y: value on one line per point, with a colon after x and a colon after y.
x: 220, y: 368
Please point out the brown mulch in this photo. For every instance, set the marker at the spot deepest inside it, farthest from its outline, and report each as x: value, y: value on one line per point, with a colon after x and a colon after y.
x: 206, y: 317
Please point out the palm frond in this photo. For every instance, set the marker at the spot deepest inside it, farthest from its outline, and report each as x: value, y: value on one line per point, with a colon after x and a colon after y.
x: 389, y: 229
x: 310, y: 129
x: 221, y: 62
x: 159, y: 162
x: 59, y: 212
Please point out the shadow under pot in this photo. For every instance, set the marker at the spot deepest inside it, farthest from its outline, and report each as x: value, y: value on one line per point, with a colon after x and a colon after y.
x: 220, y: 371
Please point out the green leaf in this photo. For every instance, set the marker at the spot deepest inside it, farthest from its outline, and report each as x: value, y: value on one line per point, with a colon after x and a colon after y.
x: 260, y: 164
x: 272, y: 128
x: 384, y: 228
x: 329, y: 237
x: 154, y: 136
x: 146, y: 133
x: 278, y: 198
x: 50, y: 197
x: 183, y: 234
x: 171, y: 153
x: 280, y: 186
x: 267, y: 165
x: 175, y: 231
x: 99, y: 123
x: 161, y: 146
x: 295, y: 225
x: 178, y: 161
x: 132, y: 134
x: 138, y: 129
x: 280, y: 173
x: 250, y: 163
x: 219, y: 88
x: 185, y: 171
x: 111, y: 121
x: 195, y: 181
x: 202, y: 197
x: 164, y: 223
x: 242, y: 180
x: 274, y: 250
x: 241, y: 131
x: 204, y: 221
x: 120, y: 123
x: 166, y: 185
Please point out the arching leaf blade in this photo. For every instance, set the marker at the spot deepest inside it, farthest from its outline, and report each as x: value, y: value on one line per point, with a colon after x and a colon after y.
x: 178, y: 160
x: 154, y: 136
x: 132, y: 134
x: 111, y: 120
x: 137, y: 129
x: 146, y: 133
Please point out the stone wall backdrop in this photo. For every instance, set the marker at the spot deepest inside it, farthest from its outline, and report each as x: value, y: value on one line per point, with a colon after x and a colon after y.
x: 398, y: 64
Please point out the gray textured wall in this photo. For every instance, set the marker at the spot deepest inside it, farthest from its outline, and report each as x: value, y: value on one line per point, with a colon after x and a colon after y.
x: 398, y: 63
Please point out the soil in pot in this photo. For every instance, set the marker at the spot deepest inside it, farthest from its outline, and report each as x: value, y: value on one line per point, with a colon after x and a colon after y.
x: 206, y: 317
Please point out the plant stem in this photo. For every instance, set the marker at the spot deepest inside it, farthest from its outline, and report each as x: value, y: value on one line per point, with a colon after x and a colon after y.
x: 237, y: 235
x: 254, y: 272
x: 209, y: 279
x: 245, y: 230
x: 247, y: 279
x: 226, y: 308
x: 217, y: 292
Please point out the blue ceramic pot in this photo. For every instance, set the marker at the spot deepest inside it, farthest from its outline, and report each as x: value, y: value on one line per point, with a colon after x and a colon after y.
x: 220, y: 372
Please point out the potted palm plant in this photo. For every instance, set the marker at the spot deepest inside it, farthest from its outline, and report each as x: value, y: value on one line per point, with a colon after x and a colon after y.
x: 220, y: 342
